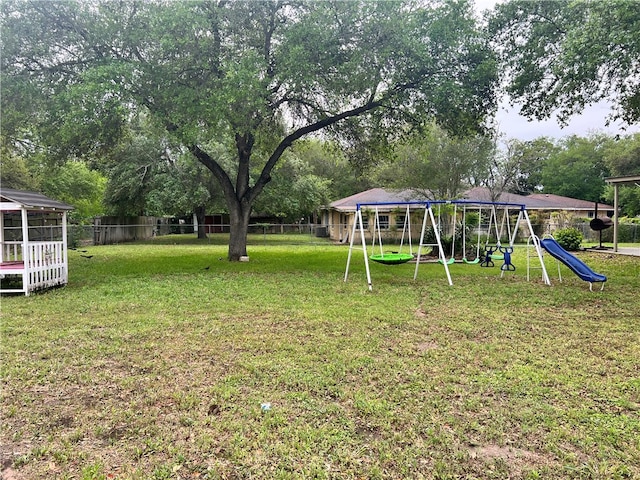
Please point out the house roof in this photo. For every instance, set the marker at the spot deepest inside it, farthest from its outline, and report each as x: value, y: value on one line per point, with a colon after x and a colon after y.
x: 482, y: 194
x: 567, y: 203
x: 537, y: 201
x: 375, y: 195
x: 31, y: 200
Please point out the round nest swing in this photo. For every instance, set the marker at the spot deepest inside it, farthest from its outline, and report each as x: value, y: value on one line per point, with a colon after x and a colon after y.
x: 391, y: 258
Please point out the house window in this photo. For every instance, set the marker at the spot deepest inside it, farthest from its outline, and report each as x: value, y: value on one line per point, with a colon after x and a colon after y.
x: 400, y: 221
x: 384, y: 222
x: 365, y: 222
x: 589, y: 214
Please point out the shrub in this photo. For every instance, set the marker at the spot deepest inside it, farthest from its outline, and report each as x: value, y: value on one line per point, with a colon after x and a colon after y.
x: 569, y: 238
x: 629, y: 232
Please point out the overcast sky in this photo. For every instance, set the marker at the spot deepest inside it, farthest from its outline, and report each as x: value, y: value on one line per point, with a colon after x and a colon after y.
x: 591, y: 120
x: 513, y: 125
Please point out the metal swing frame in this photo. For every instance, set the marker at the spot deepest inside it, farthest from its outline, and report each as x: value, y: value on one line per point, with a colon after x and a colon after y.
x: 391, y: 258
x: 358, y: 226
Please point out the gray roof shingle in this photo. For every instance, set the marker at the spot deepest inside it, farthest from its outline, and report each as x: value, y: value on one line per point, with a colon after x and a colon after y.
x: 31, y: 200
x: 536, y: 201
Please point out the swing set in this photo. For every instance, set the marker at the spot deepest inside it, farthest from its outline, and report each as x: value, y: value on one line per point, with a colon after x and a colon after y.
x: 392, y: 257
x: 491, y: 252
x: 497, y: 251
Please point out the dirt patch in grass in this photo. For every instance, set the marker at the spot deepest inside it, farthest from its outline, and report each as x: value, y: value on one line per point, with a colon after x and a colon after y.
x: 10, y: 451
x: 9, y: 474
x: 426, y: 346
x: 420, y: 313
x: 517, y: 460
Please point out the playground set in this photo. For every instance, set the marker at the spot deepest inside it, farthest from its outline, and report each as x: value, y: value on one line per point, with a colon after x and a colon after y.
x: 500, y: 250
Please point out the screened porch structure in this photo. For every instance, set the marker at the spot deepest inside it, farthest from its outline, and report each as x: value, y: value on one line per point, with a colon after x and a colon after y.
x: 33, y: 242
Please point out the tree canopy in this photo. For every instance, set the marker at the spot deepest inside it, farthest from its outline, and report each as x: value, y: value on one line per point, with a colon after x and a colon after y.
x: 438, y: 165
x: 560, y: 56
x: 256, y: 76
x: 518, y: 168
x: 623, y: 158
x: 577, y: 169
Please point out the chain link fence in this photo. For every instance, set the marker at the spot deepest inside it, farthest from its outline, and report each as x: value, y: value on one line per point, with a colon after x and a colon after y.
x: 86, y: 235
x: 89, y: 235
x: 627, y: 233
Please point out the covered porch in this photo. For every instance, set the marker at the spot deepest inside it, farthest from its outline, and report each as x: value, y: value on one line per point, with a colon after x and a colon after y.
x: 33, y: 242
x: 631, y: 180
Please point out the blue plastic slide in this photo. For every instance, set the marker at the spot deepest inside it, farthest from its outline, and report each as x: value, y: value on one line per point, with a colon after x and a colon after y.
x: 576, y: 265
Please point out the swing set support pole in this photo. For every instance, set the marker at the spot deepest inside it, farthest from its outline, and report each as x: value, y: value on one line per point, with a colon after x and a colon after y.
x: 364, y: 251
x: 353, y: 231
x: 536, y: 243
x: 357, y: 224
x: 439, y: 242
x: 514, y: 234
x: 429, y: 212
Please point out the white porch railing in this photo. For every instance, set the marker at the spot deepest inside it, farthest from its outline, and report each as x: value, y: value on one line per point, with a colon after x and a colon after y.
x: 46, y: 265
x: 43, y: 266
x: 11, y: 252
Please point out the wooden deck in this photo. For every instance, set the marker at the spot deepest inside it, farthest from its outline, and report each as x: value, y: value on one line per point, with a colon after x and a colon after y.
x: 11, y: 266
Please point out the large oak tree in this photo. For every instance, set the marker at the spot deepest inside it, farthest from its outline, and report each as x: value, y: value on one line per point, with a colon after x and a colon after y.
x: 255, y: 75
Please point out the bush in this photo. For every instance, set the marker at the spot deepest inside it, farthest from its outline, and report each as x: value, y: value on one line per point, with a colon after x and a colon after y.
x: 629, y: 232
x: 569, y: 238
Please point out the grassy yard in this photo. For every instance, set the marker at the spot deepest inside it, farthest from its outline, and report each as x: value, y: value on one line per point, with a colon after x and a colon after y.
x: 155, y: 360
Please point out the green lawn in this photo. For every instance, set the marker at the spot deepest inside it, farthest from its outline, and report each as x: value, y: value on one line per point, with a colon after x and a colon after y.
x: 154, y: 361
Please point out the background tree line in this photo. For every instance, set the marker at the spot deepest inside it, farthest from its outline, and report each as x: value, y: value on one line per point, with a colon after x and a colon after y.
x: 275, y: 107
x: 149, y: 177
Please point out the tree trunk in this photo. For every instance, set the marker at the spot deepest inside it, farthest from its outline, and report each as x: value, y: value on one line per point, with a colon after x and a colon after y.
x: 240, y: 198
x: 200, y: 215
x: 239, y: 213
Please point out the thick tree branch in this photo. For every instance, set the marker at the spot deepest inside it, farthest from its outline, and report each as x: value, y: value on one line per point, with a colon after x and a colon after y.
x: 265, y: 175
x: 215, y: 168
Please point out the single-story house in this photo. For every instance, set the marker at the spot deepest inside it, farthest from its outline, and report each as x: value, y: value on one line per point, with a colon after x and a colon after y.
x: 338, y: 217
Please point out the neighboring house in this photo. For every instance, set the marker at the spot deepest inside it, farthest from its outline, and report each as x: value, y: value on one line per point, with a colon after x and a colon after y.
x: 545, y: 202
x: 339, y: 216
